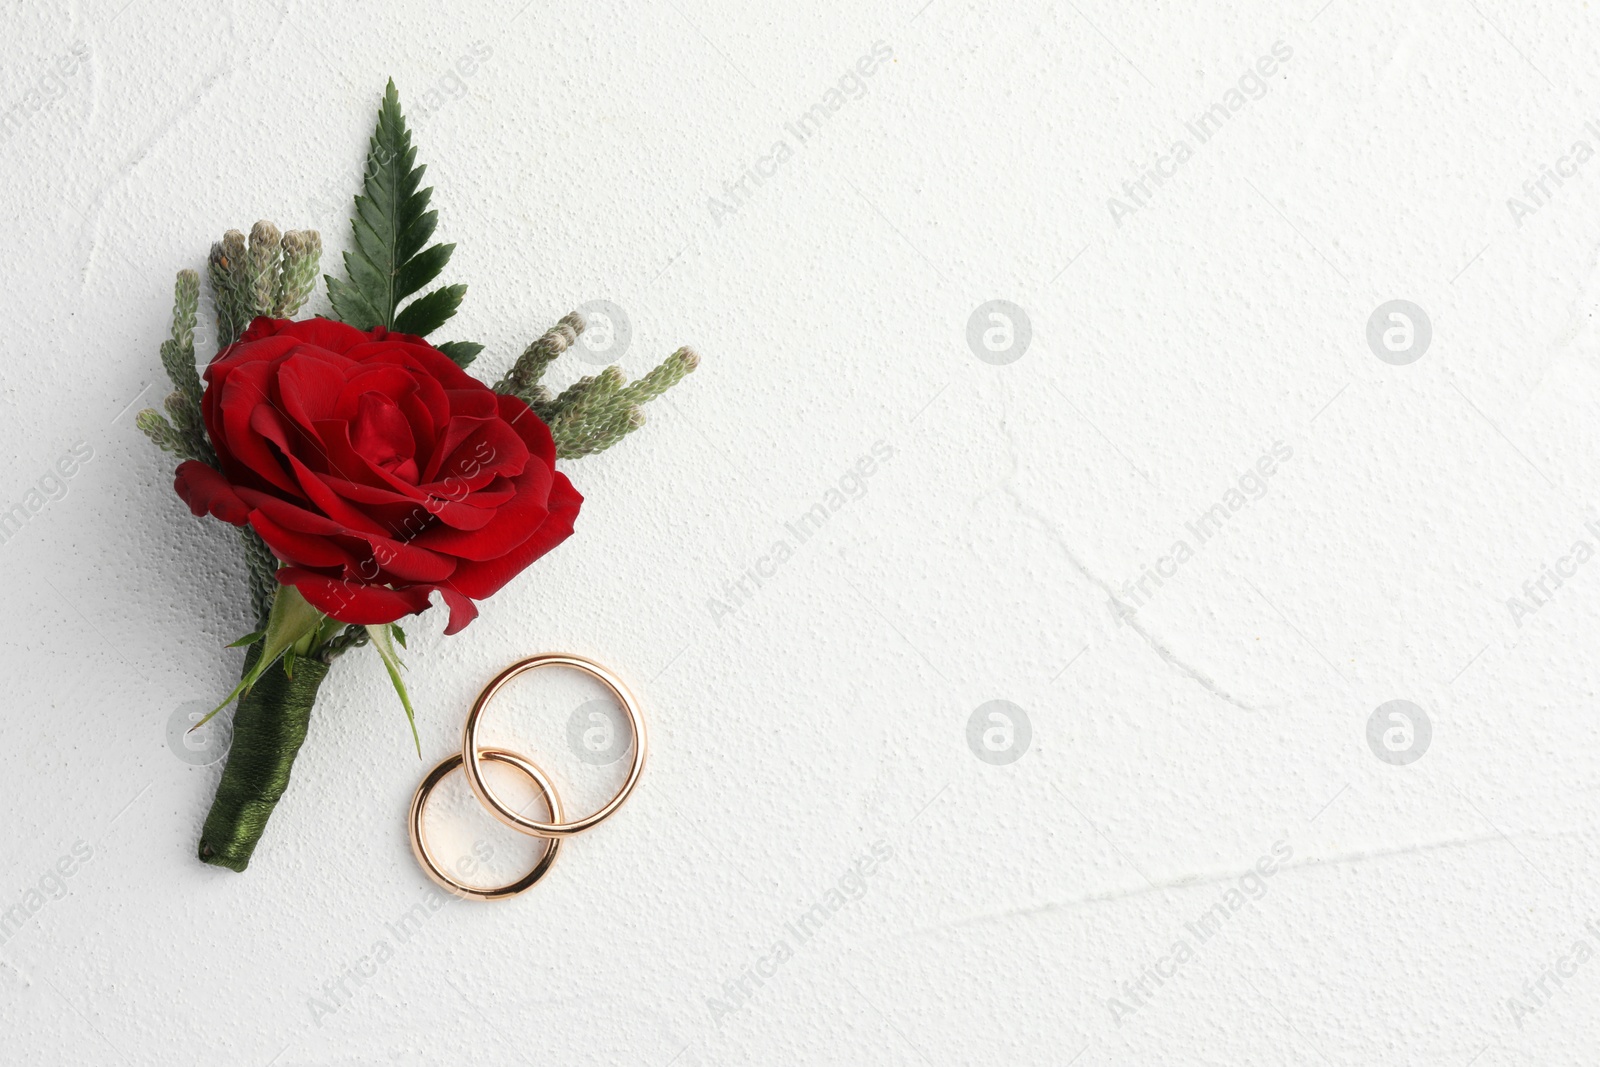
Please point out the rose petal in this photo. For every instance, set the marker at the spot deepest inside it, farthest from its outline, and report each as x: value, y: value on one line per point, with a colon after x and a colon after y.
x: 530, y: 427
x: 308, y: 382
x: 381, y: 433
x: 479, y: 579
x: 334, y: 336
x: 462, y: 609
x: 490, y: 448
x: 207, y: 492
x: 417, y: 353
x: 242, y: 393
x: 352, y: 602
x: 296, y: 546
x: 314, y: 540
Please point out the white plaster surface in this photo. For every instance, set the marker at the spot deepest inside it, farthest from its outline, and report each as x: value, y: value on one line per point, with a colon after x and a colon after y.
x: 826, y: 708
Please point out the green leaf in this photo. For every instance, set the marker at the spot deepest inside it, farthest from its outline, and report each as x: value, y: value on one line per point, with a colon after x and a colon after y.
x: 350, y: 305
x: 291, y: 619
x: 329, y: 629
x: 383, y: 641
x: 427, y: 313
x: 247, y: 639
x: 399, y: 634
x: 463, y: 352
x: 392, y: 224
x: 421, y: 269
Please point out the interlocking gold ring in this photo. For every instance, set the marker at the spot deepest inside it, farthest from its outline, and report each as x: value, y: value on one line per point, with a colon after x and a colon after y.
x: 419, y: 843
x: 470, y: 752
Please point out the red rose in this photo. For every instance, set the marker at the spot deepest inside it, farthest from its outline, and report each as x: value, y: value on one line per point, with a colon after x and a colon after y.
x: 376, y: 469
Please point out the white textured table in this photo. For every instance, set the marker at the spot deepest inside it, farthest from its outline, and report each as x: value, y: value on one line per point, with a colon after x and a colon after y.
x: 1196, y: 503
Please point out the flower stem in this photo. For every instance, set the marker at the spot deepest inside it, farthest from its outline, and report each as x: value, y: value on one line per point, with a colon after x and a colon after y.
x: 269, y: 726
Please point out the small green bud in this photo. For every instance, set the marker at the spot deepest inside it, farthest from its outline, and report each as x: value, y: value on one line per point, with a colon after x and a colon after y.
x: 177, y: 353
x: 523, y: 378
x: 226, y: 270
x: 159, y: 430
x: 185, y: 308
x: 261, y: 272
x: 668, y: 373
x: 302, y: 254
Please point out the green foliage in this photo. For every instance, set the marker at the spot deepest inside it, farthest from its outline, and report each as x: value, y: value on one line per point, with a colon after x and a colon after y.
x: 177, y: 352
x: 664, y: 376
x: 391, y: 225
x: 292, y: 618
x: 226, y: 270
x: 383, y: 639
x: 590, y: 408
x: 262, y: 567
x: 261, y: 266
x: 594, y: 412
x: 302, y: 254
x: 577, y: 436
x: 342, y: 641
x: 522, y: 380
x: 155, y: 426
x: 185, y: 415
x: 463, y: 352
x: 185, y: 434
x: 427, y: 313
x: 271, y: 275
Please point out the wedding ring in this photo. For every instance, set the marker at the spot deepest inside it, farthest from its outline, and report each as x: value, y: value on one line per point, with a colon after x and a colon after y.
x: 470, y: 753
x: 419, y: 842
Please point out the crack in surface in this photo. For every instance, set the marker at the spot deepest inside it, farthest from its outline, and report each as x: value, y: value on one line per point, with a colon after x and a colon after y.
x: 1122, y: 611
x: 1190, y: 881
x: 97, y: 202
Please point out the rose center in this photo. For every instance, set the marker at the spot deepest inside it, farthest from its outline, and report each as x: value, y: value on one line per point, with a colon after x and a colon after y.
x: 382, y: 436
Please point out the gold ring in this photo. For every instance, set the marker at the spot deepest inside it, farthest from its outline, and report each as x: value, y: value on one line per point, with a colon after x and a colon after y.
x: 470, y: 751
x: 419, y: 844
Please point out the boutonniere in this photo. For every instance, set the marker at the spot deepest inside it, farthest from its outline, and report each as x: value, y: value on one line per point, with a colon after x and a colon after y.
x: 365, y: 468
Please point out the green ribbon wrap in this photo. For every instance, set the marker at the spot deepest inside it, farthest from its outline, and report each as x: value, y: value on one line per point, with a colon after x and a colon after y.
x: 269, y: 726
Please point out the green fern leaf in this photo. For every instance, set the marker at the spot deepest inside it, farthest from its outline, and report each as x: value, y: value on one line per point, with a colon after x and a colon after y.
x: 463, y: 352
x: 427, y: 313
x: 391, y: 225
x: 421, y: 270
